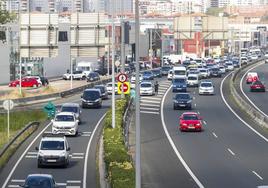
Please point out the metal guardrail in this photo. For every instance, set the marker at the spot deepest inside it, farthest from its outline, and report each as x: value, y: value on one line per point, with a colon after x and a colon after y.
x: 10, y: 143
x: 261, y: 120
x: 127, y: 122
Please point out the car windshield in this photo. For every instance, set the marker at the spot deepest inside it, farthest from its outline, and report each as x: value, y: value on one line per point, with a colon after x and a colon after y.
x: 192, y: 78
x: 64, y: 118
x: 38, y: 182
x: 178, y: 80
x: 183, y: 96
x: 190, y: 117
x: 179, y: 72
x: 91, y: 95
x: 52, y: 145
x: 147, y: 73
x: 102, y: 89
x: 146, y: 85
x: 203, y: 70
x: 215, y: 69
x: 156, y: 71
x: 165, y: 68
x: 206, y: 85
x: 69, y: 109
x: 257, y: 83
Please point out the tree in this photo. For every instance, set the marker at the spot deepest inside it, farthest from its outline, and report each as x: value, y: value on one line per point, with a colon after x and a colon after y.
x: 5, y: 16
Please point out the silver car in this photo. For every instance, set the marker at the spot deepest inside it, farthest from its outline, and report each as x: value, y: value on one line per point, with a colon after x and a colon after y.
x: 72, y: 107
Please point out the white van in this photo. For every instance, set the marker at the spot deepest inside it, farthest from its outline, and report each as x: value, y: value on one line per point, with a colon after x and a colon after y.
x: 179, y: 72
x: 192, y: 80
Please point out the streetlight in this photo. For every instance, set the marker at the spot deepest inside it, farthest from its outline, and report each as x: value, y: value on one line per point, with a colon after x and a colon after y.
x: 113, y: 61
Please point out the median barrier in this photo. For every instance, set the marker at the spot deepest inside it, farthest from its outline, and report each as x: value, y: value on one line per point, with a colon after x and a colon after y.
x: 259, y: 118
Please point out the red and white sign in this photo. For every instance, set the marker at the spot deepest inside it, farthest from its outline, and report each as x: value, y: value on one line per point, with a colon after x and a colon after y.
x: 122, y: 78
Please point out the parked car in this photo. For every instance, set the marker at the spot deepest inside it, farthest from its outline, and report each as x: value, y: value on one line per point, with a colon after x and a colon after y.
x: 77, y: 75
x: 72, y: 107
x: 93, y: 76
x: 109, y: 87
x: 103, y: 90
x: 53, y: 150
x: 25, y: 82
x: 182, y: 100
x: 252, y: 77
x: 257, y: 86
x: 40, y: 180
x: 179, y: 84
x: 147, y: 88
x: 190, y: 121
x: 91, y: 98
x: 65, y: 123
x: 38, y: 79
x: 206, y: 87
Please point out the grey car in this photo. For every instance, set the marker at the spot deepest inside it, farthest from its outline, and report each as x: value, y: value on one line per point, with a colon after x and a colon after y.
x: 72, y: 107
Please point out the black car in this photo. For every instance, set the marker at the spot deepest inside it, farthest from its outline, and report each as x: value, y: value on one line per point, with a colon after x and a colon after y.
x: 157, y: 73
x: 40, y: 180
x: 103, y: 90
x: 93, y: 76
x: 215, y: 72
x: 44, y: 80
x: 165, y: 70
x: 179, y: 84
x: 182, y: 100
x: 91, y: 98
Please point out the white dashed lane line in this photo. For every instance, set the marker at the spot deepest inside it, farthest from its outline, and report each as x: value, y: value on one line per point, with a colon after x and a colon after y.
x: 153, y: 109
x: 257, y: 175
x: 231, y: 151
x: 149, y: 112
x: 214, y: 134
x: 152, y: 105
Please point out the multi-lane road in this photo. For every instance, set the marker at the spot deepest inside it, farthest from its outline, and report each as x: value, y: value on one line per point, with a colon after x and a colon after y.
x: 228, y: 153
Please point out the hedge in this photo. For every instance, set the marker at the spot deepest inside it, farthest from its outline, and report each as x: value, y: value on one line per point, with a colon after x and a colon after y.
x: 119, y: 166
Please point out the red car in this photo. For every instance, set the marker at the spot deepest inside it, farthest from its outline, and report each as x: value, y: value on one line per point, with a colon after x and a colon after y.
x: 252, y: 77
x: 25, y: 82
x: 257, y: 86
x: 190, y: 121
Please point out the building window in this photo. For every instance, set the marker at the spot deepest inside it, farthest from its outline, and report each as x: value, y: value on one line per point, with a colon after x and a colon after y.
x: 63, y: 36
x: 65, y: 9
x: 39, y: 9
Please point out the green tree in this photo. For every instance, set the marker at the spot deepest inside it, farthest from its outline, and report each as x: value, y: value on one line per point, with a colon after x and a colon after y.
x: 6, y: 16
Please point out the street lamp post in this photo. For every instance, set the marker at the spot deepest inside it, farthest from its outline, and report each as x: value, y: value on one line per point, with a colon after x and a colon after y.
x: 122, y: 46
x: 113, y: 61
x: 137, y: 98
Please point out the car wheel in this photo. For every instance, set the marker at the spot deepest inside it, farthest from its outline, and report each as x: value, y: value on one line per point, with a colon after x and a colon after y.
x: 39, y: 85
x: 34, y: 86
x: 174, y: 108
x: 18, y: 85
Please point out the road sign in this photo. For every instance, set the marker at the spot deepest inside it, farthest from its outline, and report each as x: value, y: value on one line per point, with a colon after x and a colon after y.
x: 8, y: 104
x: 122, y: 77
x: 126, y: 87
x: 50, y: 109
x: 117, y: 63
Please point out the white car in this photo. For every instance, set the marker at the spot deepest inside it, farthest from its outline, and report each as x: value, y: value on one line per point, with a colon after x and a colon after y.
x: 206, y: 87
x: 204, y: 73
x: 53, y: 150
x: 244, y: 60
x: 147, y: 88
x: 266, y: 54
x: 65, y: 123
x: 222, y: 69
x: 170, y: 75
x: 192, y: 80
x: 109, y: 87
x: 229, y: 66
x: 77, y: 75
x: 254, y: 56
x: 133, y: 78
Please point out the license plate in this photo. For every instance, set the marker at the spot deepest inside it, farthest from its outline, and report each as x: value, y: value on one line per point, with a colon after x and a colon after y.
x: 258, y: 87
x: 182, y: 105
x: 90, y: 103
x: 51, y: 160
x: 191, y: 127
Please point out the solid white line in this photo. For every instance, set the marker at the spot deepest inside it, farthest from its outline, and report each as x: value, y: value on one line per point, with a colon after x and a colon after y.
x: 214, y: 134
x: 153, y: 105
x: 62, y: 184
x: 22, y: 156
x: 231, y: 151
x: 257, y: 175
x: 157, y: 102
x: 72, y: 186
x: 86, y: 132
x: 73, y: 181
x: 87, y: 152
x: 153, y: 109
x: 17, y: 181
x: 147, y: 112
x: 245, y: 123
x: 242, y: 90
x: 174, y: 146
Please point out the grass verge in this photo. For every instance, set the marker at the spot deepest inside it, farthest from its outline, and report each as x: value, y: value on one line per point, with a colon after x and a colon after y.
x: 119, y: 166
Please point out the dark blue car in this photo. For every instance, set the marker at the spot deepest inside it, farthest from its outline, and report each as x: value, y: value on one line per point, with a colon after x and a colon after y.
x: 179, y: 84
x: 148, y: 75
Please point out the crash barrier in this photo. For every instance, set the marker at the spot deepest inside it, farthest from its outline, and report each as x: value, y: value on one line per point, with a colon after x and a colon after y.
x: 127, y: 121
x: 15, y: 142
x: 258, y: 117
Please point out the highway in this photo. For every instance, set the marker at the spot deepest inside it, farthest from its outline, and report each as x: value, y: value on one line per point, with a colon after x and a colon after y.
x: 82, y: 169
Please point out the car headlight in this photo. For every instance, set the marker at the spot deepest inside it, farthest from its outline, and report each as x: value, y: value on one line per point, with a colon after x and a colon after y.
x: 198, y: 124
x: 84, y: 100
x: 189, y: 101
x: 62, y: 154
x: 41, y: 154
x: 97, y: 100
x: 184, y: 124
x: 175, y: 101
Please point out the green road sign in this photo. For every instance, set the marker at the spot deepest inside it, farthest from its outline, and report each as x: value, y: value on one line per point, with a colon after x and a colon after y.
x: 132, y: 93
x: 50, y: 109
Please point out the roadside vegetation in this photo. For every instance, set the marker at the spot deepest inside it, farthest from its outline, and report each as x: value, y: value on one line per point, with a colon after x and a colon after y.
x: 121, y: 172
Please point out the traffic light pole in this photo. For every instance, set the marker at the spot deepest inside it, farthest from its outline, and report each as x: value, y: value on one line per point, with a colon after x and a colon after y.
x: 113, y: 61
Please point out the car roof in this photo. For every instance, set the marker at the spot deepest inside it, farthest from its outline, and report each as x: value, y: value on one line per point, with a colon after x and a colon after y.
x: 70, y: 104
x: 65, y: 113
x: 182, y: 94
x: 99, y: 86
x: 146, y: 82
x: 189, y: 113
x: 206, y: 81
x: 92, y: 89
x: 53, y: 138
x: 41, y: 175
x: 193, y: 75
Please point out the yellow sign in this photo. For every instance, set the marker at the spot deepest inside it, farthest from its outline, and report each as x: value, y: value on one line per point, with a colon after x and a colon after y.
x: 126, y: 88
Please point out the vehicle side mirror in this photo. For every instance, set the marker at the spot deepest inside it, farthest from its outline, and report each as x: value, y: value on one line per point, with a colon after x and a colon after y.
x: 36, y: 148
x: 68, y: 149
x: 81, y: 96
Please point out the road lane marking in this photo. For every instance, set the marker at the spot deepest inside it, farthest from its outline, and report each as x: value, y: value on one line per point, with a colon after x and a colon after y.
x: 231, y: 151
x: 205, y: 122
x: 11, y: 186
x: 22, y: 156
x: 32, y: 152
x: 153, y: 98
x: 257, y: 175
x: 87, y: 151
x: 17, y: 181
x: 152, y: 105
x: 214, y: 134
x: 174, y: 146
x: 242, y: 90
x: 77, y: 157
x: 198, y: 112
x: 194, y: 92
x: 72, y: 186
x: 193, y: 98
x: 148, y: 112
x: 153, y: 109
x: 31, y: 156
x: 245, y: 123
x: 81, y: 154
x: 73, y: 181
x: 195, y: 105
x: 149, y: 101
x: 62, y: 184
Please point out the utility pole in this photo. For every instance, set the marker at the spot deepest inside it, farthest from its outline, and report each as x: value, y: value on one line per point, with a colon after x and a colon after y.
x: 113, y: 60
x: 151, y: 48
x: 122, y: 46
x: 137, y: 98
